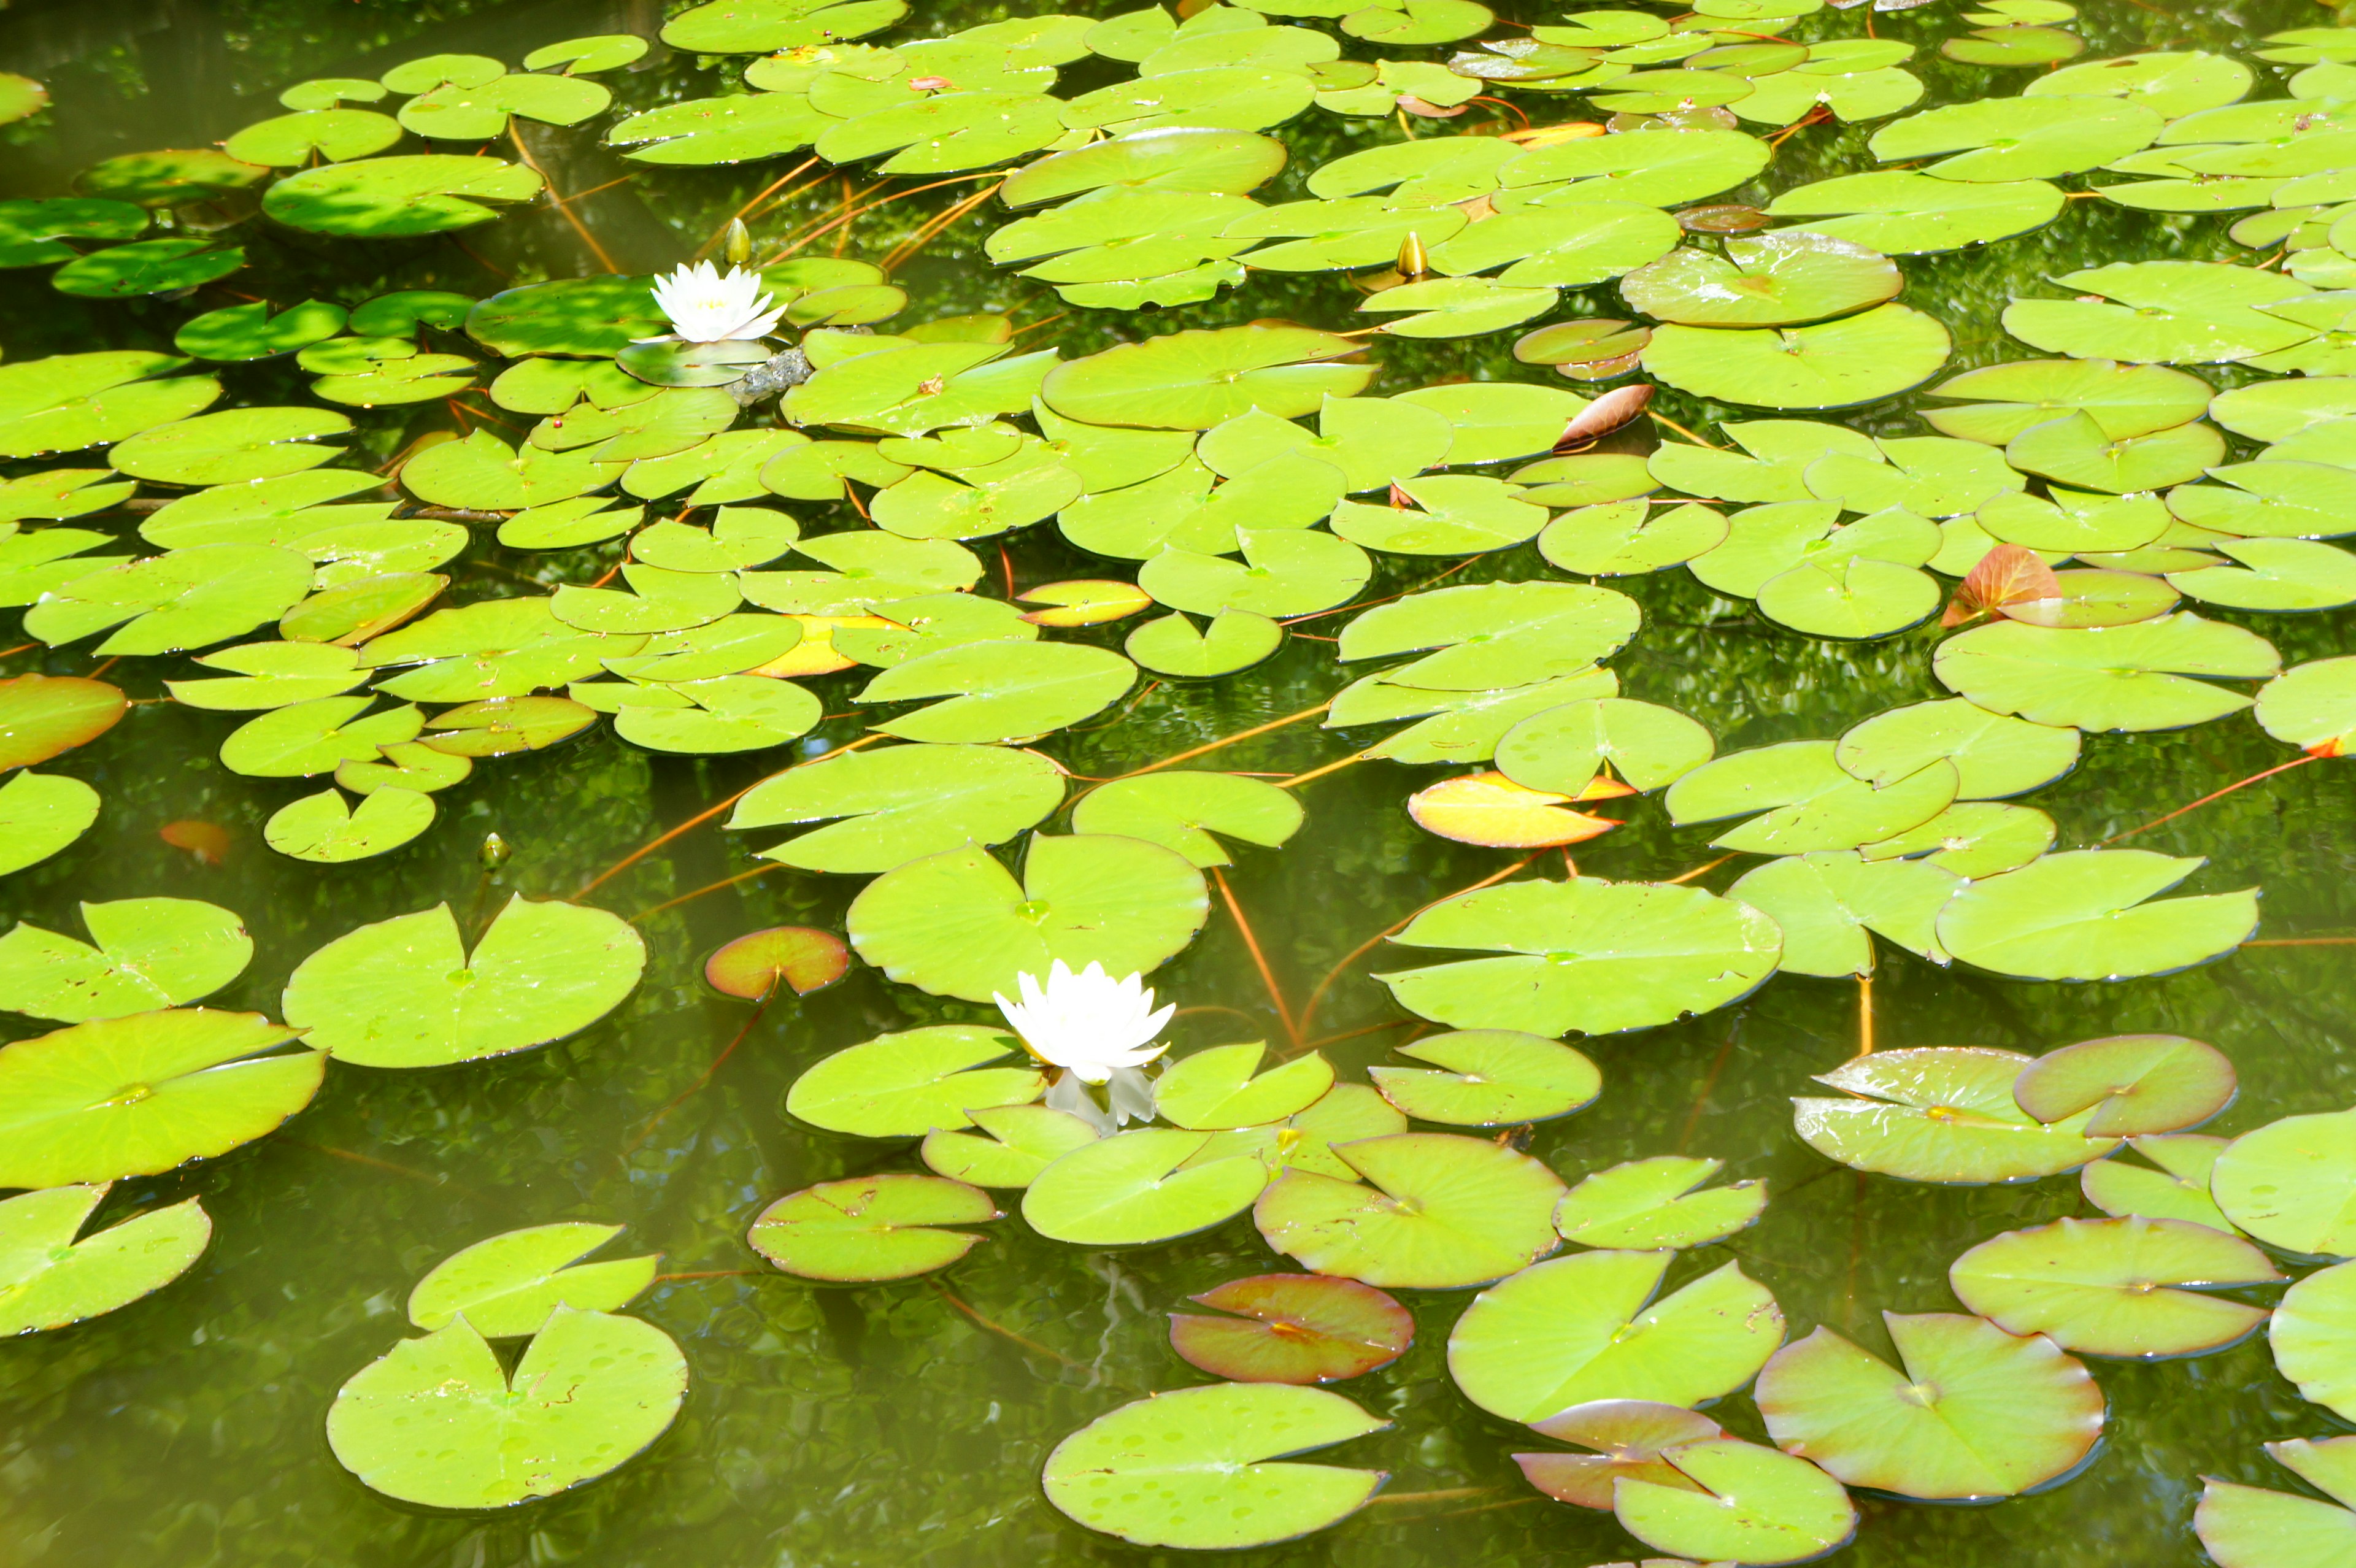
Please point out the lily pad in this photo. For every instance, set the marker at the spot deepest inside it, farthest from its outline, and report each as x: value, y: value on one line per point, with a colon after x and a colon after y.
x: 508, y: 1286
x: 2122, y: 1288
x: 1976, y: 1415
x: 902, y: 1085
x: 2312, y: 706
x: 958, y: 923
x: 148, y: 954
x: 1197, y: 1467
x: 48, y: 1279
x: 1194, y: 381
x: 1292, y: 1328
x: 380, y: 198
x: 1584, y: 954
x: 1768, y: 280
x: 2138, y: 676
x: 142, y: 1094
x: 592, y: 1392
x: 1000, y: 690
x: 1489, y: 1077
x: 2249, y: 1527
x: 1142, y: 1186
x: 1836, y: 364
x: 1741, y: 1502
x: 1444, y: 1212
x: 870, y: 1228
x: 1650, y: 1205
x: 1594, y: 1326
x: 2311, y: 1336
x: 1807, y: 801
x: 902, y: 803
x: 147, y: 267
x: 2084, y: 915
x: 43, y: 716
x: 40, y: 814
x: 405, y: 992
x: 1942, y: 1114
x: 322, y: 829
x: 1902, y: 213
x: 2136, y: 1084
x: 2177, y: 1189
x: 2292, y: 1184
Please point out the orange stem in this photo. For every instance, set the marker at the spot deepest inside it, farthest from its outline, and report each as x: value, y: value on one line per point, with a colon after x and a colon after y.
x: 634, y: 856
x: 1209, y: 747
x: 709, y: 1073
x: 1309, y: 1013
x: 1259, y: 959
x: 1297, y: 780
x: 707, y: 888
x: 2220, y: 795
x: 1002, y: 1330
x: 515, y: 135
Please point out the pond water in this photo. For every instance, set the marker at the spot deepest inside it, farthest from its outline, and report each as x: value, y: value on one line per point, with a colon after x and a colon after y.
x: 906, y: 1423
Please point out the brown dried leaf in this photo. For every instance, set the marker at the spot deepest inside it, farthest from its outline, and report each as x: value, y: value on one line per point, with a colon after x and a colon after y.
x: 1614, y: 409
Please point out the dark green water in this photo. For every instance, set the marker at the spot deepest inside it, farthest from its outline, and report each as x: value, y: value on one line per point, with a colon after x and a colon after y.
x: 855, y: 1428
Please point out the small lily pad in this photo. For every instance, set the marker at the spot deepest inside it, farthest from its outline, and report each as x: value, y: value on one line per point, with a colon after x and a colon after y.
x: 1142, y: 1186
x: 1940, y: 1113
x: 507, y: 1285
x: 1293, y: 1328
x: 1444, y: 1213
x: 799, y: 957
x: 1742, y: 1502
x: 40, y: 814
x: 50, y: 1279
x: 870, y: 1228
x: 1651, y: 1205
x: 148, y: 954
x: 1215, y: 1089
x: 1489, y: 1077
x: 904, y: 1085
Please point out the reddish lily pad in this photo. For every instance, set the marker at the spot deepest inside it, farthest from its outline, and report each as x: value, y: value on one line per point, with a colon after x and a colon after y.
x: 1628, y: 1436
x: 2135, y: 1084
x: 802, y: 957
x: 43, y: 715
x: 1293, y: 1328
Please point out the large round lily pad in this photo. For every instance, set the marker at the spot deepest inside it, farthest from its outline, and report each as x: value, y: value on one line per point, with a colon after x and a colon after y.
x: 1836, y: 364
x: 2094, y: 914
x: 1940, y: 1113
x: 406, y: 992
x: 1144, y: 1186
x: 2127, y: 1288
x: 1192, y: 380
x: 1444, y: 1213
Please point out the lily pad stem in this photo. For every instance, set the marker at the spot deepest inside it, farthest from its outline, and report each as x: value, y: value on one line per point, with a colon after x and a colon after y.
x: 1259, y: 959
x: 1309, y: 1013
x: 1208, y: 747
x: 1003, y: 1331
x: 634, y: 856
x: 747, y: 211
x: 515, y: 135
x: 2219, y: 794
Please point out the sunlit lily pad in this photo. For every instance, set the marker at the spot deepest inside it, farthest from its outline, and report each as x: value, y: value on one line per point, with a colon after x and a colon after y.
x: 1192, y: 380
x: 1584, y: 954
x: 1658, y: 1204
x: 1902, y: 212
x: 139, y: 1095
x: 1216, y: 1089
x: 1994, y: 139
x: 42, y: 716
x: 1444, y: 1212
x: 405, y: 992
x: 1942, y: 1114
x: 1768, y: 280
x: 1741, y: 1502
x: 1292, y: 1328
x: 326, y: 829
x: 1566, y: 749
x: 146, y: 953
x: 375, y: 198
x: 591, y: 1392
x: 2094, y: 914
x: 1000, y: 690
x: 1836, y: 364
x: 900, y: 803
x: 509, y: 1284
x: 870, y: 1228
x: 1995, y: 756
x: 2292, y: 1184
x: 2115, y: 1288
x: 2314, y: 1338
x: 902, y: 1085
x: 1484, y: 1078
x: 1976, y: 1415
x: 958, y: 923
x: 1141, y: 1186
x: 1806, y: 800
x: 1594, y: 1326
x: 2135, y: 1084
x: 40, y: 814
x: 2137, y: 677
x: 2249, y: 1527
x: 1195, y: 1468
x: 48, y: 1279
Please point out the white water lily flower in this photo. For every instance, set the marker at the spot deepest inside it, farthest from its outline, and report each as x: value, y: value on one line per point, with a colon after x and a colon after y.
x: 706, y: 306
x: 1089, y: 1022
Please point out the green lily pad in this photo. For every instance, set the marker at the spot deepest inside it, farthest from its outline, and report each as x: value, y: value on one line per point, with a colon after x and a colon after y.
x: 1284, y: 573
x: 2115, y: 1288
x: 1807, y: 801
x: 185, y: 599
x: 1584, y: 954
x: 2249, y: 1527
x: 47, y: 1279
x: 541, y: 971
x: 1836, y: 364
x: 1767, y: 279
x: 1215, y: 1089
x: 1594, y: 1326
x: 1620, y: 539
x: 32, y: 229
x: 592, y: 1392
x: 2178, y: 311
x: 289, y: 141
x: 1940, y: 1113
x: 1457, y: 726
x: 764, y: 27
x: 2311, y: 1336
x: 71, y: 400
x: 2292, y: 1184
x: 1489, y: 1077
x: 1444, y: 1213
x: 2001, y: 402
x: 1739, y: 1502
x: 169, y: 178
x: 148, y: 953
x: 2135, y: 1084
x: 1292, y: 1328
x: 232, y: 447
x: 2083, y: 916
x: 903, y: 803
x: 2075, y: 450
x: 1976, y: 1415
x: 40, y: 814
x: 304, y: 739
x: 377, y: 199
x: 1567, y: 246
x: 2278, y: 575
x: 1901, y: 213
x: 1651, y: 1205
x: 1564, y: 750
x: 2178, y: 1189
x: 323, y: 829
x: 1830, y: 903
x: 2131, y: 677
x: 870, y: 1228
x: 2312, y: 706
x: 2169, y: 84
x: 43, y: 716
x: 477, y: 111
x: 1195, y: 1468
x: 1000, y: 690
x: 1182, y: 809
x: 142, y: 1094
x: 904, y: 1085
x: 255, y: 331
x: 1194, y: 381
x: 596, y: 316
x: 1141, y: 1186
x: 508, y: 1286
x: 958, y: 923
x: 1493, y: 634
x: 1021, y: 1141
x: 1996, y: 757
x: 1233, y: 640
x: 2000, y: 139
x: 147, y: 267
x: 1178, y: 160
x: 1675, y: 168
